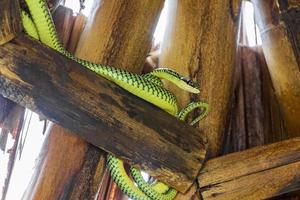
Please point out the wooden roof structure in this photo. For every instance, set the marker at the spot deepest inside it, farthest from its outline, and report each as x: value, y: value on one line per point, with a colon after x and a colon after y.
x: 201, y: 36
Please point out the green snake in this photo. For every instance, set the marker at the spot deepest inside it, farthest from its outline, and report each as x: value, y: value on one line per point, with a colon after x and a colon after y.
x: 148, y: 87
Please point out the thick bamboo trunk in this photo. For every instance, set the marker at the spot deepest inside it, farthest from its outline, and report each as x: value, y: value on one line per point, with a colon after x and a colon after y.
x: 281, y: 57
x: 10, y: 24
x: 200, y: 43
x: 258, y: 173
x: 119, y: 33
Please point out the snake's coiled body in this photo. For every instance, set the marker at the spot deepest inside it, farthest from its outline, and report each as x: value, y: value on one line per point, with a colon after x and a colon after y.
x: 148, y: 87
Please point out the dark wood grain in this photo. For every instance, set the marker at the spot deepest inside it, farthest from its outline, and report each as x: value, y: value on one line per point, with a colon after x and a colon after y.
x: 10, y: 21
x: 258, y: 173
x: 100, y: 112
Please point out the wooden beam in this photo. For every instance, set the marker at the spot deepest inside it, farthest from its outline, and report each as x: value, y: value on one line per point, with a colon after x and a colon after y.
x: 258, y: 173
x: 10, y: 20
x: 100, y: 112
x: 282, y: 62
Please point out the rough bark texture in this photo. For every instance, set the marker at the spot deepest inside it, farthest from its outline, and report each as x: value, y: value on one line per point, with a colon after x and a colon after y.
x: 282, y: 62
x: 200, y: 43
x: 72, y: 96
x: 257, y: 173
x: 124, y: 33
x: 10, y: 24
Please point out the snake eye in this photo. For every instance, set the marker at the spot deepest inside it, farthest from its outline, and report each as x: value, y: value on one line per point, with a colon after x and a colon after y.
x: 193, y: 84
x: 189, y: 82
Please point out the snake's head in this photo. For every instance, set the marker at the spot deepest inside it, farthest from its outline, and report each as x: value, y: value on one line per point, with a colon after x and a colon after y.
x: 188, y: 85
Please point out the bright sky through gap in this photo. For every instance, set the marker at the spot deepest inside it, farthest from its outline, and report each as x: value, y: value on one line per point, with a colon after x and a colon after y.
x: 24, y: 167
x: 251, y: 27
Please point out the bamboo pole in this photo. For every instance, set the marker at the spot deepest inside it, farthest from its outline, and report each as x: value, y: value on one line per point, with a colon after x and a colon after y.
x: 200, y: 43
x: 10, y: 24
x: 282, y: 62
x: 119, y: 33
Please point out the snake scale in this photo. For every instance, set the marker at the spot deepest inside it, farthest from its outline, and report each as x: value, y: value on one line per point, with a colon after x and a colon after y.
x: 148, y: 87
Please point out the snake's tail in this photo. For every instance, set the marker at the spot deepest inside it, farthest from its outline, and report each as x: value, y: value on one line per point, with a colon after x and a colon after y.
x: 157, y: 192
x: 119, y: 175
x: 160, y: 187
x: 192, y: 106
x: 29, y: 26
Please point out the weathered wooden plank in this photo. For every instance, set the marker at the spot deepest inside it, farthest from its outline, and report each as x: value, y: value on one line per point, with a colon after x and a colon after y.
x: 10, y: 24
x: 100, y: 112
x: 282, y: 62
x: 257, y: 173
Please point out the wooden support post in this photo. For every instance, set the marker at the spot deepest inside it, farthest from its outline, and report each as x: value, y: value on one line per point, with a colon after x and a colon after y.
x: 258, y: 173
x: 72, y: 96
x: 282, y: 62
x: 200, y: 43
x: 10, y: 24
